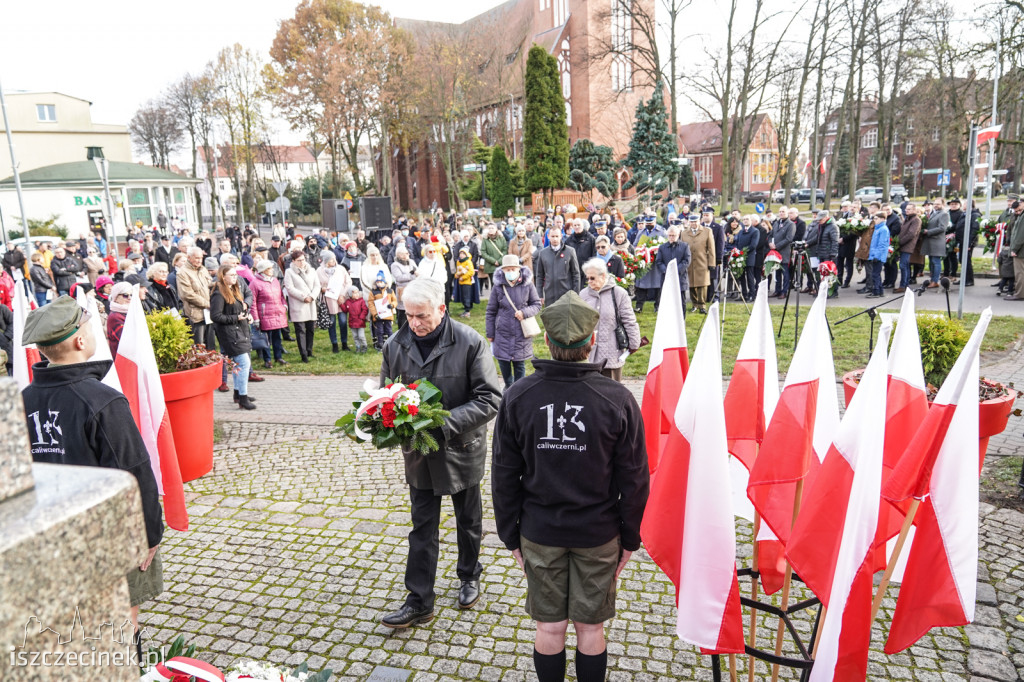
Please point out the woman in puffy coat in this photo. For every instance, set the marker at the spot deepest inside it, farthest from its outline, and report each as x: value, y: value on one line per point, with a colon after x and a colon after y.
x: 269, y: 309
x: 404, y: 271
x: 511, y: 348
x: 334, y: 283
x: 303, y: 287
x: 231, y: 318
x: 612, y: 302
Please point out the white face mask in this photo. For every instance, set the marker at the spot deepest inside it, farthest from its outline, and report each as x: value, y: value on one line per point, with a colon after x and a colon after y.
x: 512, y: 277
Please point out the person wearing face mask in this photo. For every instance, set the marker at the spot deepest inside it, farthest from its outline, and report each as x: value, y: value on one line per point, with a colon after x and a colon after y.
x: 514, y: 299
x: 353, y: 262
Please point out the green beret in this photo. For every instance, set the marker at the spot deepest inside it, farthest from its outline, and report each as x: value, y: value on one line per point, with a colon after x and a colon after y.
x: 569, y: 322
x: 54, y: 322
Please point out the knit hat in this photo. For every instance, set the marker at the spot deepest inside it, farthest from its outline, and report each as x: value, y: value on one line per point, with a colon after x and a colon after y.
x: 103, y: 281
x: 264, y: 265
x: 569, y: 322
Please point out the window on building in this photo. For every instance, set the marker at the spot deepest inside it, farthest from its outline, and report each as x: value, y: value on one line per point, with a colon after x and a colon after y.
x: 870, y: 139
x: 935, y: 134
x: 561, y: 12
x: 284, y: 166
x: 47, y: 113
x: 829, y: 146
x: 764, y: 139
x: 833, y: 126
x: 895, y: 138
x: 895, y: 163
x: 909, y: 148
x: 910, y: 123
x: 544, y: 4
x: 622, y: 46
x: 908, y: 169
x: 511, y: 57
x: 566, y: 78
x: 139, y: 207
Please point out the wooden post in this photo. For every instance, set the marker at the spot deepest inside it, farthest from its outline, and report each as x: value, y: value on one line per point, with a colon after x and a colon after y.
x: 891, y: 566
x: 753, y: 596
x: 787, y: 583
x: 817, y: 631
x: 732, y: 668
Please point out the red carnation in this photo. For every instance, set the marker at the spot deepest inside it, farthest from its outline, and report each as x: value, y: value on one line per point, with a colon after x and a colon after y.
x: 413, y: 386
x: 387, y: 414
x: 372, y: 411
x: 413, y: 410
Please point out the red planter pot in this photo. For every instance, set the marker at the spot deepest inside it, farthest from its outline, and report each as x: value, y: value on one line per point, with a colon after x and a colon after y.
x: 189, y: 398
x: 993, y: 415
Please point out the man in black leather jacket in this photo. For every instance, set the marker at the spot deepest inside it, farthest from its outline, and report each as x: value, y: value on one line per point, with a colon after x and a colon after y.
x: 458, y: 361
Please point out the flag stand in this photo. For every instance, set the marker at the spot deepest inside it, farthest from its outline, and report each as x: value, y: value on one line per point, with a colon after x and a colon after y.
x: 894, y: 559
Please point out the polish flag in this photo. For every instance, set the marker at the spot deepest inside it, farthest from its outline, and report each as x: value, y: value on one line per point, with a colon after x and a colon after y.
x: 821, y: 167
x: 24, y: 356
x: 755, y: 374
x: 688, y: 527
x: 102, y: 352
x: 940, y: 580
x: 801, y: 429
x: 906, y: 406
x: 832, y: 545
x: 667, y: 368
x: 140, y: 381
x: 986, y: 134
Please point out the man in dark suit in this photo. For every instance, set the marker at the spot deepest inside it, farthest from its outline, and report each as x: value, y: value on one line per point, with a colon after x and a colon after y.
x: 165, y: 252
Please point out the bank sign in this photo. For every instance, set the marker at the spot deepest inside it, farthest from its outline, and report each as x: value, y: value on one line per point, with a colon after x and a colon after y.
x: 87, y: 201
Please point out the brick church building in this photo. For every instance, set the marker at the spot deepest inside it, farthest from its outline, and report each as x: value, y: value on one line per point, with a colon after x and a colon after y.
x: 601, y: 94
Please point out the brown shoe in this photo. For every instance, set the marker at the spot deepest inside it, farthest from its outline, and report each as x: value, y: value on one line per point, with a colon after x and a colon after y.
x: 932, y: 285
x: 899, y: 290
x: 223, y: 388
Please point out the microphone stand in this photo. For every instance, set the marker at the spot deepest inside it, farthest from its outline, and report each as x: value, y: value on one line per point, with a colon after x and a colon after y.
x: 871, y: 313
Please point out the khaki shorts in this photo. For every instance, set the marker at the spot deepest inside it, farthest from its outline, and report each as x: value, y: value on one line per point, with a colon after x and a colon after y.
x: 577, y: 584
x: 148, y: 584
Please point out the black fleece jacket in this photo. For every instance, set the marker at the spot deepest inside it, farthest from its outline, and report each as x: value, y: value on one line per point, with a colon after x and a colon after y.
x: 569, y: 462
x: 73, y: 418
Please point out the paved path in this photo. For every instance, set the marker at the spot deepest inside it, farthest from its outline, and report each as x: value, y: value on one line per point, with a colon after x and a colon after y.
x: 297, y: 548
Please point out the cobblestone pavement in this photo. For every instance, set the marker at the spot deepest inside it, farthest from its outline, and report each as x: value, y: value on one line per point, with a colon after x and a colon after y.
x: 297, y: 548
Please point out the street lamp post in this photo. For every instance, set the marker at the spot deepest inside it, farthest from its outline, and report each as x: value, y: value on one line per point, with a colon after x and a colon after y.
x: 103, y: 167
x: 17, y: 176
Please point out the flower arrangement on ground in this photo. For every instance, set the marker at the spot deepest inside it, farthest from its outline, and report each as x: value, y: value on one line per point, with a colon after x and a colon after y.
x: 396, y: 414
x: 772, y: 260
x: 829, y: 276
x: 994, y: 233
x: 188, y: 669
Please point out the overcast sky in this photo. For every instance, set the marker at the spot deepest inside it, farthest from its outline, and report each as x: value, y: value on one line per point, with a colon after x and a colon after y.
x: 120, y: 53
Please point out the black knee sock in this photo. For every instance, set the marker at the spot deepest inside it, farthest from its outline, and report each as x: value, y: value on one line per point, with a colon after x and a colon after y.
x: 550, y: 667
x: 591, y: 668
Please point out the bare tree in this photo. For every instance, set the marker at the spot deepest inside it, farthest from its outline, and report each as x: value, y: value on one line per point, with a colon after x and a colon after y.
x: 239, y: 79
x: 155, y: 131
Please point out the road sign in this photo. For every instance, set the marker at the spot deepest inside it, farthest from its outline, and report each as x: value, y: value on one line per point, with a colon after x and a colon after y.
x: 943, y: 178
x: 474, y: 167
x: 280, y: 204
x: 932, y: 171
x: 348, y: 198
x: 348, y: 203
x: 280, y: 187
x: 759, y: 207
x: 1000, y: 172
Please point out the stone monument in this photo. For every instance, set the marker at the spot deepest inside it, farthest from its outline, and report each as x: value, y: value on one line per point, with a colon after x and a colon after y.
x: 68, y: 537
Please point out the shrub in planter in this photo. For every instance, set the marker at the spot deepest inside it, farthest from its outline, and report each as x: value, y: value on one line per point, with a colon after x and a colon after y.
x: 171, y: 338
x: 942, y: 339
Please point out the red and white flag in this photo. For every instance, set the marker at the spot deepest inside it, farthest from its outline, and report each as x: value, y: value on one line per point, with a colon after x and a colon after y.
x: 906, y: 406
x: 688, y: 527
x: 833, y: 541
x: 800, y: 432
x: 666, y: 370
x: 986, y: 134
x: 140, y: 382
x: 24, y: 356
x: 821, y: 167
x: 940, y: 581
x: 102, y: 352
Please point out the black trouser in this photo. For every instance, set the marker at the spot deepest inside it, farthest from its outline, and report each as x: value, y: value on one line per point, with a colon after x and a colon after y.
x: 951, y: 264
x: 713, y: 290
x: 968, y: 272
x: 424, y: 545
x: 304, y: 337
x: 749, y: 283
x: 890, y: 270
x: 203, y: 333
x: 400, y: 320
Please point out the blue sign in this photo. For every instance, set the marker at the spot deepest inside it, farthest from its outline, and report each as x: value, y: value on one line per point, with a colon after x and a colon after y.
x: 348, y: 204
x: 759, y: 207
x: 944, y: 177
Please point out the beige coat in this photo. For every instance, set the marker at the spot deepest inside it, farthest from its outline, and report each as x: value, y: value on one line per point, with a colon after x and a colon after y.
x: 194, y: 290
x: 300, y: 284
x: 524, y: 251
x: 702, y: 254
x: 335, y: 287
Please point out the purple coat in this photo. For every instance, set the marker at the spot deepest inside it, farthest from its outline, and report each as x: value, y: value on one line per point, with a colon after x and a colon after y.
x: 501, y: 323
x: 268, y: 303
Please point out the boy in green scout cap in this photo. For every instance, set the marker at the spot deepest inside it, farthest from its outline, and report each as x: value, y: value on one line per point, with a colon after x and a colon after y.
x: 571, y: 534
x: 74, y: 418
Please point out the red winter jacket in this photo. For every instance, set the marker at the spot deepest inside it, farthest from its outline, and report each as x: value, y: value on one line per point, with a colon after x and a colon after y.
x: 268, y: 306
x: 357, y: 311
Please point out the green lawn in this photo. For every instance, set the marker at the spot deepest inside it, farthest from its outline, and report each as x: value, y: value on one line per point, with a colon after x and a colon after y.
x: 850, y: 344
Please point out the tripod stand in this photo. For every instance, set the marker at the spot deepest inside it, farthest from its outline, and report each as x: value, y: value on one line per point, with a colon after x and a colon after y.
x: 872, y: 313
x: 722, y: 286
x: 801, y: 261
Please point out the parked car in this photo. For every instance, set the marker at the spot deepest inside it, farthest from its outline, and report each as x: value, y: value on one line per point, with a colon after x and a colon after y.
x: 897, y: 193
x: 754, y: 197
x: 778, y: 196
x: 866, y: 195
x: 803, y: 196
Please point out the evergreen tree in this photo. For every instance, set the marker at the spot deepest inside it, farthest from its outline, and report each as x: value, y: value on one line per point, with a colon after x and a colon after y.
x: 842, y: 161
x: 545, y: 132
x: 592, y: 167
x: 873, y: 174
x: 653, y: 149
x: 686, y: 184
x: 500, y: 189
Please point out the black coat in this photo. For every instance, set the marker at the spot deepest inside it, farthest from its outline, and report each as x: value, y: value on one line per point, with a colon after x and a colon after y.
x: 232, y: 333
x: 164, y: 297
x: 64, y: 271
x: 461, y: 366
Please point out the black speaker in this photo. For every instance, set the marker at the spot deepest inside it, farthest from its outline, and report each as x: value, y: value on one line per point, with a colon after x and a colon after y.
x: 375, y: 212
x: 335, y: 215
